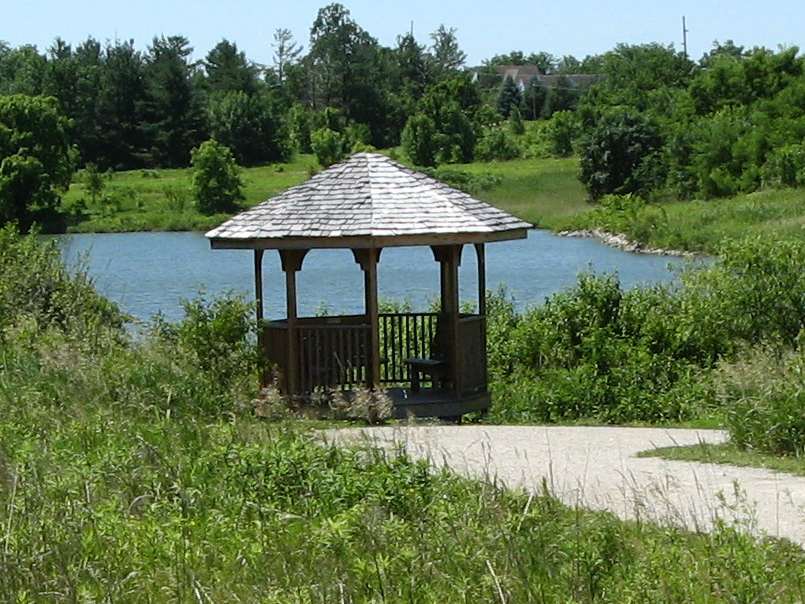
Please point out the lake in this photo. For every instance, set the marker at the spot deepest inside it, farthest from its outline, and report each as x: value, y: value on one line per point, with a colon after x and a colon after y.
x: 147, y: 273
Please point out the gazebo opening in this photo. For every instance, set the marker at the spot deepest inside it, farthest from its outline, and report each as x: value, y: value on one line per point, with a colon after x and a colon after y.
x: 431, y: 362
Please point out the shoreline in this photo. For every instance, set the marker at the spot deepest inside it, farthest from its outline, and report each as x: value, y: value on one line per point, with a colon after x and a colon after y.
x: 621, y: 242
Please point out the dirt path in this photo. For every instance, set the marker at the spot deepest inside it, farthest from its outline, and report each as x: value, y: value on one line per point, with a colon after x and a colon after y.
x: 597, y: 468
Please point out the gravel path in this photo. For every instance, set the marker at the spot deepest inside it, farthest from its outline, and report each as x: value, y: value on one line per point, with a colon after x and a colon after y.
x: 596, y: 467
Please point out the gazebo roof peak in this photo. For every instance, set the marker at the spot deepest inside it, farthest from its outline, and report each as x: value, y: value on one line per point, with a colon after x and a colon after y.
x: 367, y: 200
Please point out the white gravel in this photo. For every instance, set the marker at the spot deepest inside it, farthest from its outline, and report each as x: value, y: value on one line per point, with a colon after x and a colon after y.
x: 596, y: 467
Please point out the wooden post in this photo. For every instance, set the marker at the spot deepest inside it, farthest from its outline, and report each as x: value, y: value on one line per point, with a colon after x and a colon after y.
x: 449, y: 257
x: 291, y: 264
x: 368, y: 259
x: 480, y: 252
x: 258, y: 296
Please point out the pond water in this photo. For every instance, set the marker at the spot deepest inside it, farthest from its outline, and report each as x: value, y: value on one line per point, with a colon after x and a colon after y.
x: 147, y: 273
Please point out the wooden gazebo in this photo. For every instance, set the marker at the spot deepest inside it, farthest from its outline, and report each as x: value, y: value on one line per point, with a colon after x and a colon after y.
x: 431, y: 363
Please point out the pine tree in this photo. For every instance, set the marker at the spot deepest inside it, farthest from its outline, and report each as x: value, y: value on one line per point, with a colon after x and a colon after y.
x: 509, y: 97
x: 516, y: 121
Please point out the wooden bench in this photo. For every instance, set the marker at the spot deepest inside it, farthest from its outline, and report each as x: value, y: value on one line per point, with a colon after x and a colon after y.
x: 435, y: 368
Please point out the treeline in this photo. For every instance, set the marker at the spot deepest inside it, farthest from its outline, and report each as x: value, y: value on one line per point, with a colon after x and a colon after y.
x: 131, y: 107
x: 659, y: 123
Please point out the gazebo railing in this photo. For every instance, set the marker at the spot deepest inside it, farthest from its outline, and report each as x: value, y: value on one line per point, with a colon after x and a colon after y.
x: 335, y: 352
x: 404, y: 336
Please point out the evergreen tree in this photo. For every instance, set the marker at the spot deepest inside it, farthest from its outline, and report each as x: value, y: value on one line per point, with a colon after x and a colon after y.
x: 516, y: 121
x: 448, y: 57
x: 228, y: 70
x: 508, y: 97
x: 172, y: 115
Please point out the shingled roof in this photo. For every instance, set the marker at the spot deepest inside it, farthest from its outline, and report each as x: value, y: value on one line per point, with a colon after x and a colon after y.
x: 367, y: 200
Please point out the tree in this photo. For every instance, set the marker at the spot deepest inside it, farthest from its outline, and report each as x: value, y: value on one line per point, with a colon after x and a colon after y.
x: 228, y: 70
x: 216, y: 178
x: 172, y: 114
x: 250, y: 125
x: 93, y: 181
x: 534, y: 99
x: 418, y: 140
x: 346, y: 70
x: 561, y: 97
x: 36, y: 162
x: 620, y: 155
x: 447, y: 54
x: 508, y: 97
x: 118, y: 113
x: 328, y: 145
x: 286, y: 52
x: 516, y: 121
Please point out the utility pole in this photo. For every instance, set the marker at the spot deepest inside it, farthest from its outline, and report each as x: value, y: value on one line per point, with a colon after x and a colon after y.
x: 684, y: 37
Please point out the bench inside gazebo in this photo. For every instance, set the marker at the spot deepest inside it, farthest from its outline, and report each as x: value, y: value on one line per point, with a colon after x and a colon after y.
x: 430, y: 363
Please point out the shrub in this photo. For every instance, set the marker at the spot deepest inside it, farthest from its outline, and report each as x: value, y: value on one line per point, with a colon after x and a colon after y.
x: 216, y: 178
x: 35, y: 286
x: 562, y: 130
x: 516, y: 122
x: 785, y: 167
x: 328, y: 145
x: 36, y: 160
x: 418, y: 140
x: 497, y: 144
x: 620, y: 155
x: 763, y: 394
x: 644, y: 355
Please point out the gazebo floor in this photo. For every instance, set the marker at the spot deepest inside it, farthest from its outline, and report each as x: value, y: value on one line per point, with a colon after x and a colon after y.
x: 435, y: 403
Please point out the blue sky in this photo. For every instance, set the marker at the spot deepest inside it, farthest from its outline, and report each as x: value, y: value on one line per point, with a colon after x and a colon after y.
x: 577, y: 27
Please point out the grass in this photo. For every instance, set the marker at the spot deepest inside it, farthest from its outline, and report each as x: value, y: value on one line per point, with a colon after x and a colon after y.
x: 700, y: 226
x: 545, y: 192
x: 161, y: 200
x: 728, y: 453
x: 540, y: 191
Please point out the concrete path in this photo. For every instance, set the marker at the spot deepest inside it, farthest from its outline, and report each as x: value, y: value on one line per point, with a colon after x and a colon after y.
x: 596, y: 467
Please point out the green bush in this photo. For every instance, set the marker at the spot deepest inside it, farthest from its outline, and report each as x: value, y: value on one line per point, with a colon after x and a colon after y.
x: 35, y: 286
x: 418, y: 140
x: 217, y: 186
x: 562, y: 131
x: 497, y: 144
x: 643, y: 355
x: 785, y: 167
x: 328, y: 145
x: 621, y: 155
x: 763, y: 394
x: 36, y: 159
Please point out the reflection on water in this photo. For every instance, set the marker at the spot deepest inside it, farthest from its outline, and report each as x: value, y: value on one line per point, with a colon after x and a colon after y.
x: 148, y: 273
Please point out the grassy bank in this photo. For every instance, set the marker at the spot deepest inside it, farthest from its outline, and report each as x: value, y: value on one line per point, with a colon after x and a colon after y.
x: 161, y: 200
x: 137, y: 470
x: 540, y: 191
x: 702, y: 225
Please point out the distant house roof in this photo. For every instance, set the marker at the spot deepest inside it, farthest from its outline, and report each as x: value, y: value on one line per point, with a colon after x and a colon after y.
x: 367, y: 200
x: 523, y: 74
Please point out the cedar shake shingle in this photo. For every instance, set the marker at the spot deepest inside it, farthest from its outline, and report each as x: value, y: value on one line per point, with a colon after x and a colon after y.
x: 368, y: 195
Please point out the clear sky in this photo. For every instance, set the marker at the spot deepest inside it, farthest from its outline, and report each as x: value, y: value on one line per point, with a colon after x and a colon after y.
x: 577, y: 27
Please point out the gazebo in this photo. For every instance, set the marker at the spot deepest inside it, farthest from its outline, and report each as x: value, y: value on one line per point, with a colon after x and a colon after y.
x: 430, y: 363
